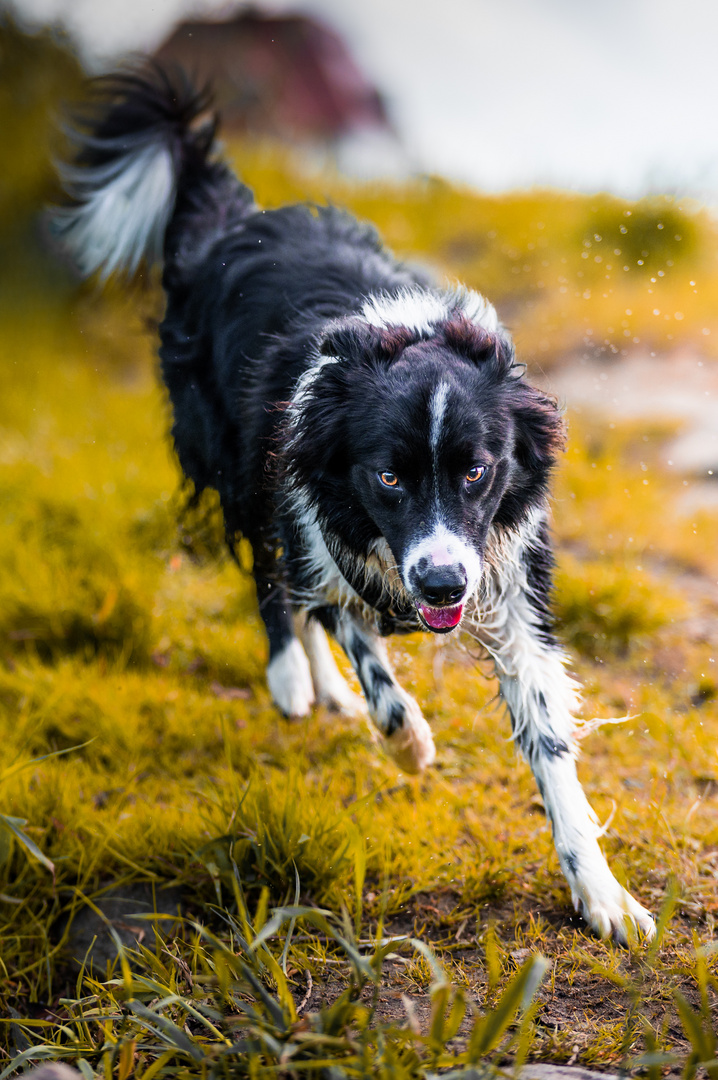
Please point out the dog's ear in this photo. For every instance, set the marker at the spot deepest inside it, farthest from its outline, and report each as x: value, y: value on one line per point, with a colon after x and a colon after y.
x: 481, y: 346
x: 348, y: 340
x: 357, y: 340
x: 540, y: 429
x: 539, y: 437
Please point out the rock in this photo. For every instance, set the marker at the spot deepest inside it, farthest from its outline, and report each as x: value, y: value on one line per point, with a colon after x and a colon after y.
x: 539, y: 1071
x: 120, y: 906
x: 542, y: 1070
x: 680, y: 386
x: 52, y: 1070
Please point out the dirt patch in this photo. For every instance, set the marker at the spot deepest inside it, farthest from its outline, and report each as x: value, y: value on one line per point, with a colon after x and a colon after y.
x: 680, y: 387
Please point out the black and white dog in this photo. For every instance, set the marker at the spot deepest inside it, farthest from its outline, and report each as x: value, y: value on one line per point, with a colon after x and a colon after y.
x: 370, y: 434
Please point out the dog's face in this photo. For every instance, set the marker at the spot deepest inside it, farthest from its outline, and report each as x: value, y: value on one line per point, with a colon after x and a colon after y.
x: 432, y: 464
x: 426, y: 443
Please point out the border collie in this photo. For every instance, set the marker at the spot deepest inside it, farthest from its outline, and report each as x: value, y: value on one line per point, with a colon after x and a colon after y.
x: 369, y: 433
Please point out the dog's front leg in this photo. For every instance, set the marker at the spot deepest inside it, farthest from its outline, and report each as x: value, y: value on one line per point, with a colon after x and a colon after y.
x: 288, y: 673
x: 541, y: 698
x: 406, y: 734
x: 330, y: 686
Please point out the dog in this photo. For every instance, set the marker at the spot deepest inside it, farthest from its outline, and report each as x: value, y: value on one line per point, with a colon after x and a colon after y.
x: 370, y: 434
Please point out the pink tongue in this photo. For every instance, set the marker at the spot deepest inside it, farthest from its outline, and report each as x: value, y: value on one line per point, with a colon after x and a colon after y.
x: 442, y: 618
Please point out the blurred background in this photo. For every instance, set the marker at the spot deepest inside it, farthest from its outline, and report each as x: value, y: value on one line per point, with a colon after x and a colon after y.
x: 618, y: 95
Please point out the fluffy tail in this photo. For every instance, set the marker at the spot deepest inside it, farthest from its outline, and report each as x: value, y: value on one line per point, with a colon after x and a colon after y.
x: 142, y: 158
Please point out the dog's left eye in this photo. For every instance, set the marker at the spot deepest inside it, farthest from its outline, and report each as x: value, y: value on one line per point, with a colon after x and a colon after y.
x: 389, y: 479
x: 477, y: 473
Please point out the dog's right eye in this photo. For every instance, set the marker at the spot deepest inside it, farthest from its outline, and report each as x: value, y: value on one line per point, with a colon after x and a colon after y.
x: 389, y: 479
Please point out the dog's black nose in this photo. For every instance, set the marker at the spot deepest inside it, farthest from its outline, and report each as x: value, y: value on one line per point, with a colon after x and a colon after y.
x: 443, y: 585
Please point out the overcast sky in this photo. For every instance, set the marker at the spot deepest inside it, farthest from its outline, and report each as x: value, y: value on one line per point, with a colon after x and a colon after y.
x: 586, y: 94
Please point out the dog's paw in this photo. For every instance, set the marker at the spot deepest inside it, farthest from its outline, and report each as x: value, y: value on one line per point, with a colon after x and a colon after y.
x: 411, y: 745
x: 290, y: 680
x: 614, y: 913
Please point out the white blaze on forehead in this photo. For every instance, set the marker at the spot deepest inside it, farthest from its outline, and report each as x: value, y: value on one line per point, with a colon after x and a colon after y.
x: 437, y: 408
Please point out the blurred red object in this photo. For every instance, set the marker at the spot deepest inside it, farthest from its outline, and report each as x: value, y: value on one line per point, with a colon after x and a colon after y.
x: 289, y: 77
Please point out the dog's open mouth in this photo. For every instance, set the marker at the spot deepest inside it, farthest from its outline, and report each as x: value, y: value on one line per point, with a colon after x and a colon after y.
x: 441, y: 619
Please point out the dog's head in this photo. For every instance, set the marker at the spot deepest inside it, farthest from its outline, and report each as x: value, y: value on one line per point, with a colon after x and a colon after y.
x: 424, y: 435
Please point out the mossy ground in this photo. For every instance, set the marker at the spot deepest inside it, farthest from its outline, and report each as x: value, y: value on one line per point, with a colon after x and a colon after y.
x: 144, y: 660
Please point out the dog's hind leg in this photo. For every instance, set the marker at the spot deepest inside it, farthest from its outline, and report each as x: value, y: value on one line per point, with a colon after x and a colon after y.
x: 541, y: 698
x: 407, y: 736
x: 330, y: 686
x: 288, y: 673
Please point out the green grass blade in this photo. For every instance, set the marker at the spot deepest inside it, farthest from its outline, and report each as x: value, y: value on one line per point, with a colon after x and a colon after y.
x: 167, y: 1030
x: 13, y: 826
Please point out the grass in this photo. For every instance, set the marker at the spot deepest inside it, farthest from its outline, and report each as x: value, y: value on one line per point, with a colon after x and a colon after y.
x: 141, y: 749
